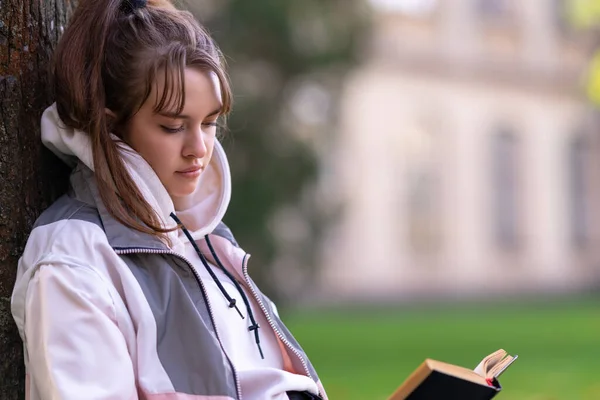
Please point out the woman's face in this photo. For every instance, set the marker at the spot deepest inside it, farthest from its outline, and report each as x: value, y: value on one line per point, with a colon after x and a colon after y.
x: 179, y: 147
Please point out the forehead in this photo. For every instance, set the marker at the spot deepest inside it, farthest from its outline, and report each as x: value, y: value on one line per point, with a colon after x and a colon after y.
x: 193, y: 90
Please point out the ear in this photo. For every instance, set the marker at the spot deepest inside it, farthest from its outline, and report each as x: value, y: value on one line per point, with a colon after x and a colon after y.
x: 111, y: 119
x: 110, y: 113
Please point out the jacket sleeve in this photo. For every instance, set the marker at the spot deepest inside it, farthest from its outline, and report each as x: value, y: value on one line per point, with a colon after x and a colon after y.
x: 75, y: 349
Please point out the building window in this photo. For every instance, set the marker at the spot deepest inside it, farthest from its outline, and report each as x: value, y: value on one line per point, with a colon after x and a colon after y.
x: 505, y: 189
x: 500, y: 28
x: 559, y: 9
x: 422, y: 188
x: 495, y: 9
x: 578, y: 162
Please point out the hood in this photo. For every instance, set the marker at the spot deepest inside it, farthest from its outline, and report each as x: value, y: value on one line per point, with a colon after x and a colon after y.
x: 200, y: 212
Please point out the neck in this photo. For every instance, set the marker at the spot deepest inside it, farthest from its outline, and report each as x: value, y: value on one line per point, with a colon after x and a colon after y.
x: 182, y: 203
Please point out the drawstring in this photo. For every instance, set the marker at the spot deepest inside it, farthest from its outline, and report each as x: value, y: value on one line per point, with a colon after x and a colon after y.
x: 255, y: 326
x: 232, y: 302
x: 210, y: 271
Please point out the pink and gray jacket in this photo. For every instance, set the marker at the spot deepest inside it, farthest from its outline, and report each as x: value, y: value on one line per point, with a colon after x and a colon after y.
x: 106, y: 312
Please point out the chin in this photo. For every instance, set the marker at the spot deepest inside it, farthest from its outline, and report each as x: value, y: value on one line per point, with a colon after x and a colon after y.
x: 182, y: 191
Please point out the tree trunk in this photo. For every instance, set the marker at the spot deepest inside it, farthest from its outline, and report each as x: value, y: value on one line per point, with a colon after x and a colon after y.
x: 31, y: 177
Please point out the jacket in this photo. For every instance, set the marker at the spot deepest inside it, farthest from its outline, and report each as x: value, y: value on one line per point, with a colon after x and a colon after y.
x: 108, y: 312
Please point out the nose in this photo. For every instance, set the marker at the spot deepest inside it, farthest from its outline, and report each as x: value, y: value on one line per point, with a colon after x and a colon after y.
x: 195, y: 146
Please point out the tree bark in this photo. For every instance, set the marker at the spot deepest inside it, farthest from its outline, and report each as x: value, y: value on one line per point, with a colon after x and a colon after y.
x: 31, y: 177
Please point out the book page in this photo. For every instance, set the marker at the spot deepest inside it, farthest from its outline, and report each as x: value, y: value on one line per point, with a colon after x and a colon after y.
x: 485, y: 366
x: 499, y: 368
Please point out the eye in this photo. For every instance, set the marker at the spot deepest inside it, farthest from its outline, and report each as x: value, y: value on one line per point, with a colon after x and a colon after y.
x: 213, y: 123
x: 169, y: 129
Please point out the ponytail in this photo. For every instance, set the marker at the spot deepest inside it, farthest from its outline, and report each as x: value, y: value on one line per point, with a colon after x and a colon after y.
x: 107, y: 59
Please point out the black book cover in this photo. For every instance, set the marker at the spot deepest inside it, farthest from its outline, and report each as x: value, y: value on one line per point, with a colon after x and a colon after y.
x: 446, y: 387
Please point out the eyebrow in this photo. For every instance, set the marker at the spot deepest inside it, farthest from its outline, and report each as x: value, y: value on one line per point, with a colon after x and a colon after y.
x: 183, y: 116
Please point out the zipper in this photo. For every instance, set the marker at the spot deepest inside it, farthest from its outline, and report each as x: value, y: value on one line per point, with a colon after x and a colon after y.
x: 268, y: 316
x: 202, y: 288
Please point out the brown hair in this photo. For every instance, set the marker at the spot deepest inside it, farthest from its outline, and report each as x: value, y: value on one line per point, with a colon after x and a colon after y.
x: 108, y: 58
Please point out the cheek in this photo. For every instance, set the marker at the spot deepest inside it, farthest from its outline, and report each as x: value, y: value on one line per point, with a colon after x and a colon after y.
x: 163, y: 155
x: 134, y: 136
x: 159, y: 150
x: 157, y: 158
x: 210, y: 145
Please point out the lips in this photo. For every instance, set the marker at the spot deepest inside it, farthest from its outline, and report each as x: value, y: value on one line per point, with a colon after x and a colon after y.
x: 191, y: 169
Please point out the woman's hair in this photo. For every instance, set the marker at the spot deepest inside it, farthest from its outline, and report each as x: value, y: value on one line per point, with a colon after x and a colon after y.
x: 108, y: 58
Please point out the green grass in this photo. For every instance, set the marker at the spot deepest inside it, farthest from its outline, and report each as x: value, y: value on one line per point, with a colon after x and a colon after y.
x: 365, y: 354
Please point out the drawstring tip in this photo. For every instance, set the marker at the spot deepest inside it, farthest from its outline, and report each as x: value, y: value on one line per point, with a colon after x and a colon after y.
x: 239, y: 312
x: 254, y: 328
x: 233, y: 305
x: 260, y: 349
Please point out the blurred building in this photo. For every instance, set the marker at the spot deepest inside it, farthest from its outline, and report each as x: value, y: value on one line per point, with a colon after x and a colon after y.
x: 467, y: 161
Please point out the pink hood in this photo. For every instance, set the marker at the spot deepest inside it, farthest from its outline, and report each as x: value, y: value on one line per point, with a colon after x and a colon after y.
x: 203, y: 210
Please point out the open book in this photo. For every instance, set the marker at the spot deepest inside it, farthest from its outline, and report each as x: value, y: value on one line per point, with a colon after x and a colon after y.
x: 438, y: 380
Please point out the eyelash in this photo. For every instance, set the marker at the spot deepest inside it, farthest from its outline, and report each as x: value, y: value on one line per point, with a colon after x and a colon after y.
x: 182, y: 127
x: 172, y: 130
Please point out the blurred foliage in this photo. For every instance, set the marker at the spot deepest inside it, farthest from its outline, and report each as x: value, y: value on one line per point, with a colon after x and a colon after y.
x: 593, y: 83
x: 585, y: 14
x: 272, y: 47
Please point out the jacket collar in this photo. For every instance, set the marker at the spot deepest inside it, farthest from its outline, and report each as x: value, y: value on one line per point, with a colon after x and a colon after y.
x: 85, y: 189
x: 121, y: 237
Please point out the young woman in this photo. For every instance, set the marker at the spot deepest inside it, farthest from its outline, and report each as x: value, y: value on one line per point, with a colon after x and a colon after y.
x: 130, y: 286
